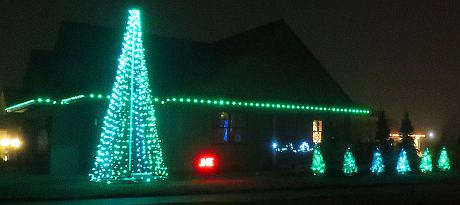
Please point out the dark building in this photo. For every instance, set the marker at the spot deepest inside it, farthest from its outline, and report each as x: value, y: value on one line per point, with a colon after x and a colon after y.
x: 267, y: 64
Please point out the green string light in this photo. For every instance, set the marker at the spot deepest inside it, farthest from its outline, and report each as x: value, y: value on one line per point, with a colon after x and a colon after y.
x: 377, y: 166
x: 402, y: 166
x: 129, y: 147
x: 349, y: 164
x: 426, y: 164
x: 20, y: 106
x: 213, y: 102
x: 318, y: 165
x: 443, y: 161
x: 71, y: 99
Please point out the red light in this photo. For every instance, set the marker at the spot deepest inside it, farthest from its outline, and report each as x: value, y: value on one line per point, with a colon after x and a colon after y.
x: 206, y: 162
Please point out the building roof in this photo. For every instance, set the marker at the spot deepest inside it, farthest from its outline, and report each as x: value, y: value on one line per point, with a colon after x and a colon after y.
x: 9, y: 96
x: 2, y: 102
x: 265, y: 62
x: 268, y: 62
x: 272, y: 62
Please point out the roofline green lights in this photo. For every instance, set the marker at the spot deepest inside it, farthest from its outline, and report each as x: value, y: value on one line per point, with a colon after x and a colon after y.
x: 208, y: 101
x: 19, y: 106
x: 263, y: 105
x: 69, y: 100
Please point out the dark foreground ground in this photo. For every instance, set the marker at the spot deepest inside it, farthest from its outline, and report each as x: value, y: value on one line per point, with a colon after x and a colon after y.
x: 435, y: 189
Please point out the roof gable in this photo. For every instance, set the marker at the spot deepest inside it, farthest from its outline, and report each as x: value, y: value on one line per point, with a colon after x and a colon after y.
x: 268, y: 62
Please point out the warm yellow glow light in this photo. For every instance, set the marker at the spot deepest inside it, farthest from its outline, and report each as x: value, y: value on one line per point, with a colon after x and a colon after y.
x: 16, y: 143
x: 417, y: 137
x: 9, y: 144
x: 317, y: 131
x: 5, y: 142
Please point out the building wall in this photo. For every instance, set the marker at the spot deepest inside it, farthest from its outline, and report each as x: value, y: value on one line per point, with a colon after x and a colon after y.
x: 187, y: 131
x: 31, y: 128
x: 73, y: 138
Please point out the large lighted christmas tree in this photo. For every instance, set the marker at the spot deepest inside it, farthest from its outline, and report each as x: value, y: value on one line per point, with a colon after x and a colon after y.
x: 349, y: 164
x: 402, y: 166
x: 129, y: 147
x: 318, y: 166
x: 377, y: 166
x: 443, y: 161
x: 426, y: 165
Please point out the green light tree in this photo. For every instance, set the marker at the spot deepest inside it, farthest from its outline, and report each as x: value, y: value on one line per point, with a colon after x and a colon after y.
x: 377, y: 166
x: 129, y: 146
x: 443, y: 161
x: 318, y: 165
x: 349, y: 164
x: 402, y: 166
x: 426, y: 165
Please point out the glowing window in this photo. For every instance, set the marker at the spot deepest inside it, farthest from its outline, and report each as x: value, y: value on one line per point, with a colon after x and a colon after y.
x: 231, y: 127
x: 225, y: 126
x: 317, y: 131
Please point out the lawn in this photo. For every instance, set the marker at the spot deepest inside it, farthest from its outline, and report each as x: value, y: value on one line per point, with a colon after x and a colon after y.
x: 30, y: 188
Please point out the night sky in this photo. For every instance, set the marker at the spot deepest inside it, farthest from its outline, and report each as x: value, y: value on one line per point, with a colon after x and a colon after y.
x: 395, y: 55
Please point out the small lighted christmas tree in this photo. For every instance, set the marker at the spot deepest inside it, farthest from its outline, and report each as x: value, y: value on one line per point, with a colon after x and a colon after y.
x: 426, y: 165
x: 318, y: 165
x: 402, y: 166
x: 129, y: 147
x: 349, y: 164
x: 443, y: 161
x: 377, y: 166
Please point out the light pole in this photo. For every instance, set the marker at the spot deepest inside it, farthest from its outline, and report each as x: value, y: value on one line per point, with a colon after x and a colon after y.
x: 431, y: 134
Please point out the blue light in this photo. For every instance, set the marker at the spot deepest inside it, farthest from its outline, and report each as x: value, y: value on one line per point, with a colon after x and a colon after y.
x: 305, y: 147
x: 226, y: 130
x: 289, y: 147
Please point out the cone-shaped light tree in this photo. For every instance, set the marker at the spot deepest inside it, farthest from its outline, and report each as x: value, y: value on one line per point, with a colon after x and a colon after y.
x: 318, y: 165
x: 129, y: 146
x: 443, y: 161
x: 426, y: 164
x: 377, y: 166
x: 402, y: 166
x: 349, y: 164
